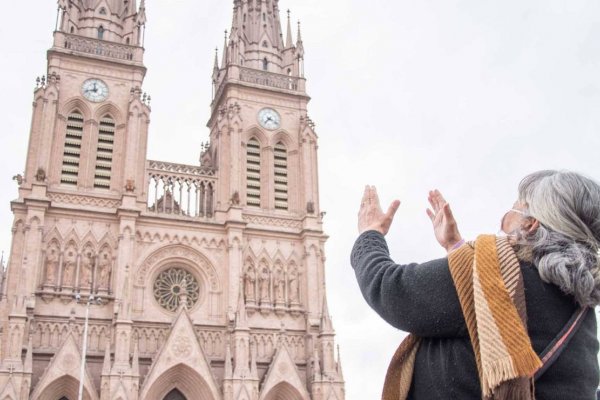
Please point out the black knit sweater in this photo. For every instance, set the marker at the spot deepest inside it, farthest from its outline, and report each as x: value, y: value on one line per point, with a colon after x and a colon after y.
x: 421, y: 299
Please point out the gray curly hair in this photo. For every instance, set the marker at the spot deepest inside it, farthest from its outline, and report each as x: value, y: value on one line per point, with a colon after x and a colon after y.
x: 565, y: 248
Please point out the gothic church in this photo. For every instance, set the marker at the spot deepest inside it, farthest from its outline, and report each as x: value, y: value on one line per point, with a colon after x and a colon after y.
x: 197, y: 282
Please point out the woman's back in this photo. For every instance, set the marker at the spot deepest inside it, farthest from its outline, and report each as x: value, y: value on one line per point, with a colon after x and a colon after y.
x: 555, y: 222
x: 445, y: 367
x: 422, y: 299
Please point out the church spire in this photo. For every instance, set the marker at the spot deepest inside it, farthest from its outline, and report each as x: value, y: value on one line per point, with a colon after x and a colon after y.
x: 326, y: 324
x: 339, y: 365
x: 257, y: 35
x: 225, y: 50
x: 110, y: 20
x: 299, y: 37
x: 216, y: 66
x: 257, y: 42
x: 289, y: 41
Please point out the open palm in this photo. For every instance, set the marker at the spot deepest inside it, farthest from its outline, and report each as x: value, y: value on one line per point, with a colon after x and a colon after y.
x: 444, y: 225
x: 371, y: 216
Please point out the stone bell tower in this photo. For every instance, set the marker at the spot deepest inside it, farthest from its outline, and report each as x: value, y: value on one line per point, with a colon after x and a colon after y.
x: 87, y: 154
x: 264, y: 146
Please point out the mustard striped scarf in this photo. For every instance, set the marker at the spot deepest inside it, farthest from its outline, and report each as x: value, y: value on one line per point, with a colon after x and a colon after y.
x: 489, y: 285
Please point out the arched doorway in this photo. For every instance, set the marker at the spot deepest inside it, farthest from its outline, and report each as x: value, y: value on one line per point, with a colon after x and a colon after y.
x: 63, y: 388
x: 175, y: 395
x: 283, y: 391
x: 182, y: 382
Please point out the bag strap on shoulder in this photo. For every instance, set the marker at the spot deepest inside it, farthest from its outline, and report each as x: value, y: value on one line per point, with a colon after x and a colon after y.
x: 560, y: 342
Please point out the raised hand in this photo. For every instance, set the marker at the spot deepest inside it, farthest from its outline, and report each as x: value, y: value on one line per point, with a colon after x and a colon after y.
x: 371, y: 216
x: 444, y: 225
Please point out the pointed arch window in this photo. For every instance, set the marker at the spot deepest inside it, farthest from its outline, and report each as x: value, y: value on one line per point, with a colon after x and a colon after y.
x: 253, y: 173
x: 281, y: 176
x: 72, y: 151
x: 265, y: 64
x: 104, y: 152
x: 101, y: 32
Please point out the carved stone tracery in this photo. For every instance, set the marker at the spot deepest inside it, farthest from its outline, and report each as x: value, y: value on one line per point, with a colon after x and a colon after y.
x: 272, y: 221
x: 173, y: 286
x: 80, y: 200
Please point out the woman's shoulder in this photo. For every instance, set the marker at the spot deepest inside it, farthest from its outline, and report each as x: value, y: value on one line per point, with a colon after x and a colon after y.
x: 544, y: 296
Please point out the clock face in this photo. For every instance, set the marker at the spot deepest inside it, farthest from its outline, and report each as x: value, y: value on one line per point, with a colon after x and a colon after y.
x: 269, y: 119
x: 95, y: 90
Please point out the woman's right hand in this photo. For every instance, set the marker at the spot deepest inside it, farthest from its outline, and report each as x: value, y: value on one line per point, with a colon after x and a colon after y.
x: 444, y: 225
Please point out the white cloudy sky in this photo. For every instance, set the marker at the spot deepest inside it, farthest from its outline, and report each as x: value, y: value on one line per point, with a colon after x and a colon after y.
x: 466, y: 96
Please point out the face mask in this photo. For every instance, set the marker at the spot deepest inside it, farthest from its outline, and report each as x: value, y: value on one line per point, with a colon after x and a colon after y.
x: 501, y: 232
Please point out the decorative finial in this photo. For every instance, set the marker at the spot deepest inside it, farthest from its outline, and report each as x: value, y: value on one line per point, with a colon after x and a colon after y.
x: 299, y: 32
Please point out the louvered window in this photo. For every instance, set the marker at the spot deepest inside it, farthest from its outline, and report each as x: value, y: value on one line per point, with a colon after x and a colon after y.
x: 104, y: 153
x: 281, y: 177
x: 72, y: 152
x: 253, y: 173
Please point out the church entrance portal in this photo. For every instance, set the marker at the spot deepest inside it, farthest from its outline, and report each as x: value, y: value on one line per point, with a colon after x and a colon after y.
x: 175, y: 395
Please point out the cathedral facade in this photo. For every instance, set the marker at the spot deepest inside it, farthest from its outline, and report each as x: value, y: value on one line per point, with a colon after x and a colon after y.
x: 171, y: 281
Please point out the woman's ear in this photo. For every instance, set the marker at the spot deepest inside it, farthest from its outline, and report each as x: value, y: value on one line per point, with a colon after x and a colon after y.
x: 531, y: 225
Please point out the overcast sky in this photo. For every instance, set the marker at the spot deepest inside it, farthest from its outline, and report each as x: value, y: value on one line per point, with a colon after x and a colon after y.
x: 467, y: 96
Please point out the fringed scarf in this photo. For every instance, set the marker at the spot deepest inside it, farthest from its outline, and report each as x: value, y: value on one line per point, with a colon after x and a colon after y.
x: 489, y: 283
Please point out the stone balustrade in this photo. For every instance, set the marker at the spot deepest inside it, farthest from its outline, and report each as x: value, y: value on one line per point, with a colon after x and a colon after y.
x: 258, y: 78
x: 181, y: 190
x: 96, y: 47
x: 269, y: 79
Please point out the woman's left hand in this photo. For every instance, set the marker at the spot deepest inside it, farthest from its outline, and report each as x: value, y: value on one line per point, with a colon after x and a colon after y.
x: 445, y: 227
x: 371, y: 216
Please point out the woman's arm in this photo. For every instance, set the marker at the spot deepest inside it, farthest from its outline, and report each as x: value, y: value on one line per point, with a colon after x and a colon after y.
x: 416, y: 298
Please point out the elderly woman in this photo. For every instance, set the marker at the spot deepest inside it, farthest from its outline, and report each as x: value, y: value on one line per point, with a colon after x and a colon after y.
x: 503, y: 317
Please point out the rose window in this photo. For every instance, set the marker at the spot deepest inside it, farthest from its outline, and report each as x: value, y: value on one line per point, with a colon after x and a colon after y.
x: 172, y: 285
